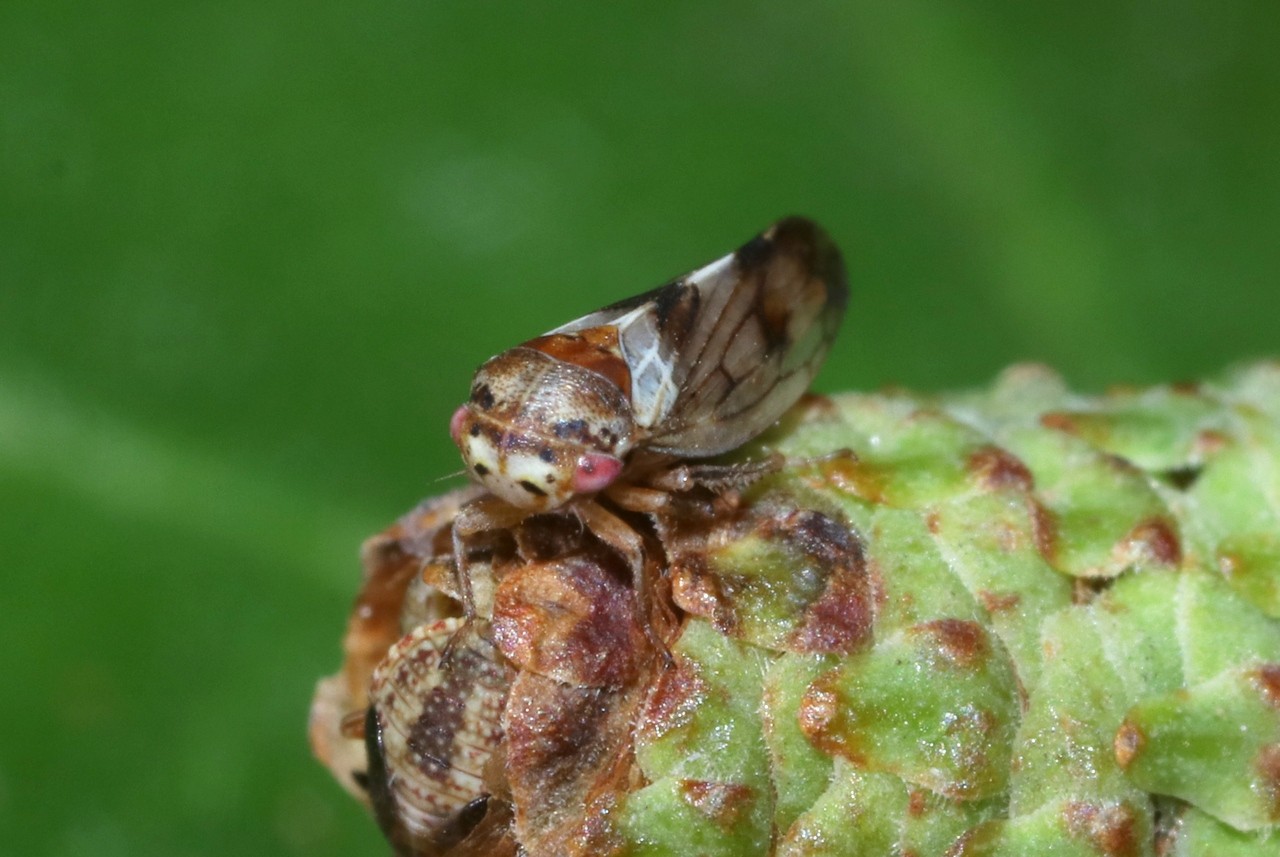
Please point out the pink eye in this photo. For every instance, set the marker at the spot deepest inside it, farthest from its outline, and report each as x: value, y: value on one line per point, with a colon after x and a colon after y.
x: 455, y: 424
x: 594, y: 472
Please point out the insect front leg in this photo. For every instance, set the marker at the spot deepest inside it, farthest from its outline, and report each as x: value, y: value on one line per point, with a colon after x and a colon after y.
x: 629, y: 544
x: 638, y: 498
x: 482, y: 515
x: 614, y: 532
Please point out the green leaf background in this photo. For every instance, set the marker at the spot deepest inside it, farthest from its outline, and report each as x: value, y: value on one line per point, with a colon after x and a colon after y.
x: 251, y: 252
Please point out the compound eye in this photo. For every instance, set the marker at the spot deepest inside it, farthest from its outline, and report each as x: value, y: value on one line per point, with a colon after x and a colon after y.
x: 594, y: 472
x: 457, y: 423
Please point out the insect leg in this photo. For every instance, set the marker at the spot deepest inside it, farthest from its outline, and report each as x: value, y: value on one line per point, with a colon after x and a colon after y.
x: 637, y: 498
x: 481, y: 515
x: 718, y: 478
x: 624, y: 539
x: 614, y: 532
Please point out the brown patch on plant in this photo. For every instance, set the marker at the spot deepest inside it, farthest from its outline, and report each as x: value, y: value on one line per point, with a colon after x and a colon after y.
x: 1266, y: 679
x: 997, y: 469
x: 720, y: 802
x: 960, y: 641
x: 999, y: 602
x: 1110, y: 828
x: 1128, y: 743
x: 675, y: 696
x: 1044, y: 530
x: 1267, y: 766
x: 841, y: 619
x: 1155, y: 540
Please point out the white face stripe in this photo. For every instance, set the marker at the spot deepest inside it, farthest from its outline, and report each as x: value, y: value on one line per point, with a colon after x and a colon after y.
x: 510, y: 474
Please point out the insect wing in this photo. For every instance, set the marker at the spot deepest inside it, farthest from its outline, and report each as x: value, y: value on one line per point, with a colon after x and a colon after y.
x: 718, y: 355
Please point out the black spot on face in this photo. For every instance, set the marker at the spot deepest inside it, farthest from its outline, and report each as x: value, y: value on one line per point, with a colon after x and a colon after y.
x: 532, y: 489
x: 482, y: 396
x: 548, y: 455
x: 481, y: 470
x: 569, y: 428
x: 475, y: 430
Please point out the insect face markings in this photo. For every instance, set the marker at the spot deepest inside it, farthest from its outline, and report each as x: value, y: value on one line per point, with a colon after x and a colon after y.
x: 539, y: 429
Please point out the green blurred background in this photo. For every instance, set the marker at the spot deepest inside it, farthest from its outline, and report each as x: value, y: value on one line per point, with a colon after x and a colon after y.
x: 250, y: 253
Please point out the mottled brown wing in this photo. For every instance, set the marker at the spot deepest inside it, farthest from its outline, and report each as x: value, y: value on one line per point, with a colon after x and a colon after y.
x: 747, y: 335
x: 719, y: 354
